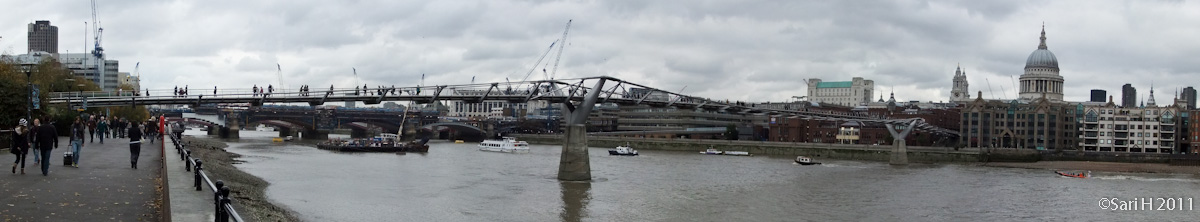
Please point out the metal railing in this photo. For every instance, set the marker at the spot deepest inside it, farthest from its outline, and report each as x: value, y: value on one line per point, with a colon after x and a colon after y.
x: 224, y: 209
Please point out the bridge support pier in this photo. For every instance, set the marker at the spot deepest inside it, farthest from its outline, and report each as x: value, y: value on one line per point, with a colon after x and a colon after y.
x: 211, y: 130
x: 899, y: 148
x: 228, y: 133
x: 315, y: 135
x: 574, y: 164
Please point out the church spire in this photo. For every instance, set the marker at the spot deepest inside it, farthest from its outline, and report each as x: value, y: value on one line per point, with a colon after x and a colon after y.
x: 1043, y: 44
x: 1150, y: 102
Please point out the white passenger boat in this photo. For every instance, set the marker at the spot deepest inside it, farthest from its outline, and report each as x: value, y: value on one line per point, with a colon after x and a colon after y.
x: 712, y: 151
x: 737, y: 153
x: 264, y: 128
x: 623, y: 151
x: 505, y: 145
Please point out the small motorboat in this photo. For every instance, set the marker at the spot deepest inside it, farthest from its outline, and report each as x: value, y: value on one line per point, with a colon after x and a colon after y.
x: 711, y: 151
x: 1075, y: 175
x: 623, y: 151
x: 803, y: 160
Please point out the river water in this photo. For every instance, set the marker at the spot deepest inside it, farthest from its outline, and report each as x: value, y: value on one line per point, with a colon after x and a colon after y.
x: 456, y: 182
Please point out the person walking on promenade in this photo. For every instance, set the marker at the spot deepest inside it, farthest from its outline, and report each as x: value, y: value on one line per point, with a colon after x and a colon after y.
x: 135, y: 144
x: 37, y: 154
x: 102, y: 128
x: 20, y: 145
x: 91, y: 126
x: 46, y: 138
x: 76, y: 140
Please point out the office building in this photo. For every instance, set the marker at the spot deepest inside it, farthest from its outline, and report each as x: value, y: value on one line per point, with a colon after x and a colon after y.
x: 43, y: 37
x: 1128, y: 96
x: 1098, y: 95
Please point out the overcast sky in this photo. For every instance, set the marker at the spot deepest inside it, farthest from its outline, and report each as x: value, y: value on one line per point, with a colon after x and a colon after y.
x: 737, y: 50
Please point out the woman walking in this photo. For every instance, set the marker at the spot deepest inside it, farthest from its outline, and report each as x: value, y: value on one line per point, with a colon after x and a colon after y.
x: 20, y: 145
x: 78, y: 131
x: 135, y: 143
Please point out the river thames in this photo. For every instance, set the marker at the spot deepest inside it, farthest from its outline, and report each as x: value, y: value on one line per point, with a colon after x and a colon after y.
x: 456, y: 182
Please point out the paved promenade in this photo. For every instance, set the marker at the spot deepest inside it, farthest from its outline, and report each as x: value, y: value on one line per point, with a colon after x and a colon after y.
x: 187, y: 204
x: 103, y: 188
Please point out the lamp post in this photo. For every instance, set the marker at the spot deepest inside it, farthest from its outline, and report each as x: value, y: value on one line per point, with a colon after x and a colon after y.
x: 28, y: 68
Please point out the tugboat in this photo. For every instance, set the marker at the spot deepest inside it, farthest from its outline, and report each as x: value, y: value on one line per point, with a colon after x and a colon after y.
x: 623, y: 151
x: 803, y: 160
x: 1075, y: 175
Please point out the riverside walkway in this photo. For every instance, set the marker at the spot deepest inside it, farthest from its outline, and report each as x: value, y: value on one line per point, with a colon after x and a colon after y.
x: 104, y: 187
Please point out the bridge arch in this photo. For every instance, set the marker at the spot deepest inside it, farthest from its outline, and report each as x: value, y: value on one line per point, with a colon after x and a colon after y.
x: 194, y: 121
x: 457, y: 126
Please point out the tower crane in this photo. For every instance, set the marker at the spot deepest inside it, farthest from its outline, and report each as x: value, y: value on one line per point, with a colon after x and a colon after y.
x: 98, y: 52
x: 563, y: 44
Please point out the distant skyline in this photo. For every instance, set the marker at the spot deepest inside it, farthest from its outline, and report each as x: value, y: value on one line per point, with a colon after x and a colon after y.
x: 738, y: 50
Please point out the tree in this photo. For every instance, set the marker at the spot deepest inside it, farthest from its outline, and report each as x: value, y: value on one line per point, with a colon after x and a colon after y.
x: 731, y: 132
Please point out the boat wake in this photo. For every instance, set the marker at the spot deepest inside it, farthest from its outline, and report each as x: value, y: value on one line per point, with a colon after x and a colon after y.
x: 1137, y: 178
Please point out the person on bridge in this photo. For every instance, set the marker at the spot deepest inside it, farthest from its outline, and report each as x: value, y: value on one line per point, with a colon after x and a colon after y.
x: 20, y: 145
x: 102, y: 128
x: 77, y: 130
x: 46, y: 138
x: 270, y: 89
x: 330, y: 93
x: 135, y: 144
x: 254, y: 90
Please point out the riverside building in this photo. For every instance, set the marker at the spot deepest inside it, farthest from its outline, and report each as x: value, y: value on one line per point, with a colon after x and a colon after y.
x: 855, y: 92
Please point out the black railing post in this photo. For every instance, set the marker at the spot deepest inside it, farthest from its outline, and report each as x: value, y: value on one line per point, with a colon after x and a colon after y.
x: 186, y: 164
x: 199, y: 167
x: 224, y: 217
x: 217, y: 201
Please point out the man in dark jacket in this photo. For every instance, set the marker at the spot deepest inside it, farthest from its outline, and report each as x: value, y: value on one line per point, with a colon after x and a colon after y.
x: 135, y: 143
x: 47, y: 140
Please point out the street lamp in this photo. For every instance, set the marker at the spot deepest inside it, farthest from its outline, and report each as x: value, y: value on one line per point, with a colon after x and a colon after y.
x: 28, y: 69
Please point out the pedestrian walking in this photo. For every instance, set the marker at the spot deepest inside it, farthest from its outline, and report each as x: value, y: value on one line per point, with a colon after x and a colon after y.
x: 77, y: 130
x: 46, y: 140
x: 20, y: 145
x: 102, y: 127
x: 91, y: 126
x: 214, y: 90
x: 33, y: 136
x: 135, y: 144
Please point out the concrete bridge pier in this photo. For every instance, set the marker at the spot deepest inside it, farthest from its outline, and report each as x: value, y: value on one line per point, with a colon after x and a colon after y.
x: 228, y: 133
x: 899, y: 148
x: 574, y: 164
x: 211, y: 130
x: 315, y: 135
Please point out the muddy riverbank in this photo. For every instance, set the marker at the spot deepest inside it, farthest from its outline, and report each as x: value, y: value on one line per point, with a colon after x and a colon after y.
x: 247, y: 191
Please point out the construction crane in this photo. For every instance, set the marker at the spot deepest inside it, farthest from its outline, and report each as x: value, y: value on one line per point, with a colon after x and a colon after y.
x: 539, y: 61
x: 98, y: 52
x: 558, y: 57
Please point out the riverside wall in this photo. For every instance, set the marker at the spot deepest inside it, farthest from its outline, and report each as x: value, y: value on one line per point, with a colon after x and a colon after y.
x: 881, y: 153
